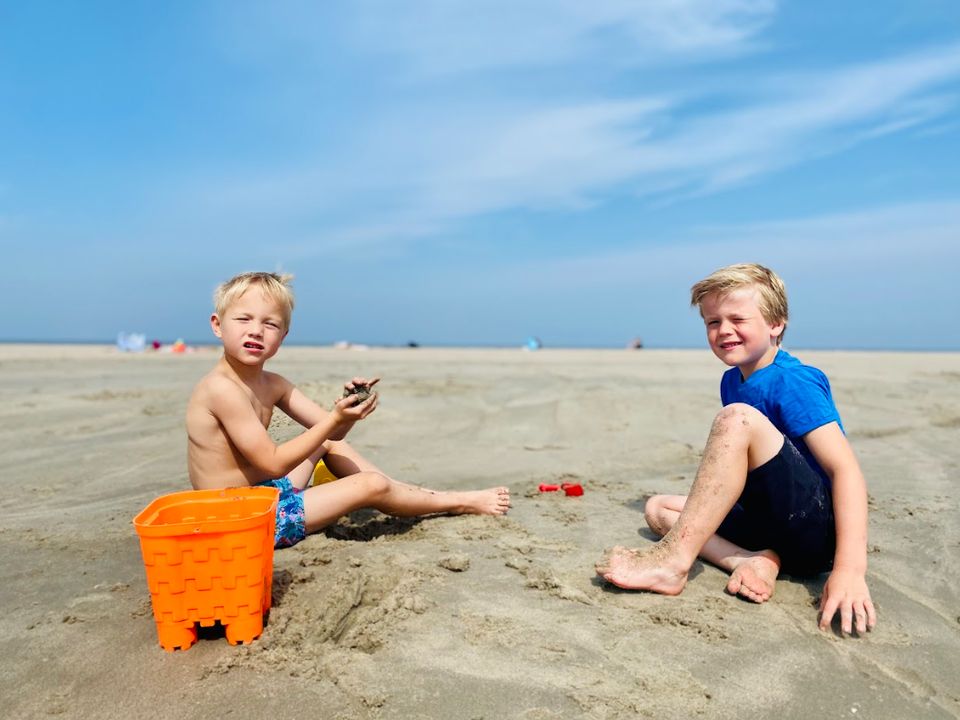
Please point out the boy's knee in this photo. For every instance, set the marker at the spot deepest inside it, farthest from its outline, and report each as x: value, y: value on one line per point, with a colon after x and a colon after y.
x: 742, y: 426
x: 653, y: 513
x: 738, y: 419
x: 375, y: 483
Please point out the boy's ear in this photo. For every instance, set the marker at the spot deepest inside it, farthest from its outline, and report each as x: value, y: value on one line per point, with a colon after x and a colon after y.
x: 777, y: 330
x: 215, y: 324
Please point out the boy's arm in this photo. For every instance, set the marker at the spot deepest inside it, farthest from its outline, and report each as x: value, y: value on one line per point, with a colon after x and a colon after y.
x: 846, y: 588
x: 242, y: 425
x: 306, y: 412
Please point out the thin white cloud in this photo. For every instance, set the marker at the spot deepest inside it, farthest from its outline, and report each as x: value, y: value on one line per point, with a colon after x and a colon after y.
x: 577, y: 155
x: 437, y: 37
x: 547, y: 158
x: 818, y: 114
x: 892, y: 238
x: 440, y: 161
x: 419, y: 162
x: 879, y: 276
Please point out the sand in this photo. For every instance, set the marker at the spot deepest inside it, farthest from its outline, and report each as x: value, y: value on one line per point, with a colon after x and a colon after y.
x: 469, y: 617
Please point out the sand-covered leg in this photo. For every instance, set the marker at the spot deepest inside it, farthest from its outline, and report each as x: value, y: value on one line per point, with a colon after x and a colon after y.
x: 741, y: 438
x: 323, y: 504
x: 753, y: 574
x: 404, y: 500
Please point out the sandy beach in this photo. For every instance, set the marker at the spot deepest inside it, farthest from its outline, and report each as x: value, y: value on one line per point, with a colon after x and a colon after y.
x: 469, y: 617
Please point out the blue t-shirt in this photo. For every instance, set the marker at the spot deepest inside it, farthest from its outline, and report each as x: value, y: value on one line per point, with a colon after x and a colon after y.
x: 795, y: 397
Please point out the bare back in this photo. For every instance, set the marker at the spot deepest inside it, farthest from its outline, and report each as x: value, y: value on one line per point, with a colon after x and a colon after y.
x: 213, y: 460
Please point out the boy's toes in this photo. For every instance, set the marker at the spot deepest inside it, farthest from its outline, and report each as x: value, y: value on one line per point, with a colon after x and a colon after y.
x: 734, y: 585
x: 604, y: 566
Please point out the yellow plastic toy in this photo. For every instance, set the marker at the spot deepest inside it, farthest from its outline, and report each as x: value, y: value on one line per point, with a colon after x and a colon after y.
x: 322, y: 474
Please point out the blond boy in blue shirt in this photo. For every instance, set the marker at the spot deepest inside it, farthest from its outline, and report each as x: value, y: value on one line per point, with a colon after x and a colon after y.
x: 778, y: 487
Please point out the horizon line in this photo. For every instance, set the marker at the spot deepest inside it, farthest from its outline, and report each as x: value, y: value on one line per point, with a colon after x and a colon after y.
x: 492, y: 346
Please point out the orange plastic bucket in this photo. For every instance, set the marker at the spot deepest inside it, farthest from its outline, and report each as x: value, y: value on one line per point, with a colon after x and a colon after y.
x: 208, y: 556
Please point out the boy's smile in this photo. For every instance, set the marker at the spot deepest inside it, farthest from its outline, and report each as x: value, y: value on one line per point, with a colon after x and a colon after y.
x: 737, y: 331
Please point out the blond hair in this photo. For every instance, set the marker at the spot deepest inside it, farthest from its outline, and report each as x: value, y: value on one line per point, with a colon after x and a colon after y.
x: 274, y: 285
x: 772, y: 292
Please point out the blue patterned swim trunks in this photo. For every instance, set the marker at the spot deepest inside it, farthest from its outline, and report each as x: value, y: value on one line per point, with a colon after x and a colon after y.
x: 291, y: 523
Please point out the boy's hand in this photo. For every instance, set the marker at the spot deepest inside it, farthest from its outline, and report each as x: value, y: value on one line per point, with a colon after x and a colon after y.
x: 357, y: 390
x: 846, y: 591
x: 358, y: 400
x: 348, y: 410
x: 359, y: 381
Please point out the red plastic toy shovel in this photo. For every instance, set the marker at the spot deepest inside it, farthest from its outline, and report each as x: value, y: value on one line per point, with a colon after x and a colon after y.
x: 571, y: 489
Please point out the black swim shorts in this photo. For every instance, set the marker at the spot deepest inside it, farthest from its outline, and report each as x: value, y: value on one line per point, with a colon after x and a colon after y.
x: 788, y: 508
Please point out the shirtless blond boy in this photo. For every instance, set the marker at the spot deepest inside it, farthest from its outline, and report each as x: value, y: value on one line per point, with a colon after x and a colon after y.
x: 779, y: 486
x: 230, y: 410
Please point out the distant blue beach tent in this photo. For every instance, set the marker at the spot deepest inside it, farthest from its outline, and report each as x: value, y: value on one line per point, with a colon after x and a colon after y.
x: 131, y: 342
x: 533, y: 343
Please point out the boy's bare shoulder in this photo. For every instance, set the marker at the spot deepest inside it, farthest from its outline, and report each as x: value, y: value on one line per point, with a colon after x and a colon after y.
x: 214, y: 396
x: 212, y: 385
x: 278, y: 386
x: 217, y: 389
x: 275, y: 379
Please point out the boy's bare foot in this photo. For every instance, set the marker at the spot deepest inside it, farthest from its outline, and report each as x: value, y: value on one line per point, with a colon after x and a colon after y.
x: 492, y: 501
x: 639, y: 570
x: 755, y: 577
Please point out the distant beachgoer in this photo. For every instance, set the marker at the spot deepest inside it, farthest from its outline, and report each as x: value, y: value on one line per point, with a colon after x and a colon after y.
x: 779, y: 486
x: 230, y: 410
x: 131, y: 342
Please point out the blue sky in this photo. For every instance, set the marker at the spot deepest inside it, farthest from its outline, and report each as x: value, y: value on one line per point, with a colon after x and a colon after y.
x: 477, y: 172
